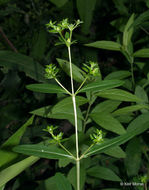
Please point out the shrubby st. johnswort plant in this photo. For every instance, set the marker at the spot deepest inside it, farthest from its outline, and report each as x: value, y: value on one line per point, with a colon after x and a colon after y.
x: 94, y: 125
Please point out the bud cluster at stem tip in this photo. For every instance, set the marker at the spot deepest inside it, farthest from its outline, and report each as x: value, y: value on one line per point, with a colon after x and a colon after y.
x: 50, y: 130
x: 64, y: 29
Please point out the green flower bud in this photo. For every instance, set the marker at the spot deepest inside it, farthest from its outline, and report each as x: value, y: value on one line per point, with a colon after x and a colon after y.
x: 97, y: 137
x: 51, y: 71
x: 92, y: 69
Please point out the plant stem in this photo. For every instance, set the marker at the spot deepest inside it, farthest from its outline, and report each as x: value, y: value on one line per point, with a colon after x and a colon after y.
x: 81, y: 85
x: 82, y: 156
x: 76, y: 123
x: 86, y: 117
x: 67, y: 151
x: 63, y: 86
x: 132, y: 75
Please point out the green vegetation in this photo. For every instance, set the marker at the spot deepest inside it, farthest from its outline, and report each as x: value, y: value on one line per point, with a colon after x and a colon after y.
x: 75, y: 77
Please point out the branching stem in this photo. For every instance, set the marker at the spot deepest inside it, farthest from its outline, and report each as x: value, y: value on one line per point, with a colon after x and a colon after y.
x: 81, y: 86
x: 63, y: 86
x: 82, y: 156
x: 67, y: 151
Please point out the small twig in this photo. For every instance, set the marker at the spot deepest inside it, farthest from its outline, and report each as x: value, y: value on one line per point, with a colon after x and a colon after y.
x: 8, y: 41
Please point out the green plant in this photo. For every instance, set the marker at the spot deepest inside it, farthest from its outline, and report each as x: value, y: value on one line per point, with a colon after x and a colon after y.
x: 106, y: 114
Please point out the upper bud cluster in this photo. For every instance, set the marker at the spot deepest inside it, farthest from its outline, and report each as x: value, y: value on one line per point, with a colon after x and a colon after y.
x: 60, y: 27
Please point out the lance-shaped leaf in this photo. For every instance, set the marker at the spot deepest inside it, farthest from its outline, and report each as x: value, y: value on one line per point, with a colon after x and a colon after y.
x: 101, y: 85
x: 109, y: 45
x: 103, y: 173
x: 129, y: 109
x: 128, y: 31
x: 66, y: 112
x: 106, y: 106
x: 108, y: 122
x: 45, y: 88
x: 118, y: 75
x: 15, y: 169
x: 67, y: 102
x: 117, y: 94
x: 136, y: 127
x: 76, y: 71
x: 144, y: 53
x: 12, y: 60
x: 6, y: 154
x: 57, y: 182
x: 50, y: 152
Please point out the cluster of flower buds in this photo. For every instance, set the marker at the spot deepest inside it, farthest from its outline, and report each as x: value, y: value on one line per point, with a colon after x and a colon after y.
x: 51, y: 71
x: 92, y: 69
x: 56, y: 138
x: 60, y: 27
x: 97, y: 137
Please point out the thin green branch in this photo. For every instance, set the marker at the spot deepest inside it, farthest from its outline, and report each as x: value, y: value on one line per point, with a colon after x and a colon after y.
x: 86, y: 117
x: 81, y: 85
x: 63, y: 86
x: 82, y: 156
x: 67, y: 151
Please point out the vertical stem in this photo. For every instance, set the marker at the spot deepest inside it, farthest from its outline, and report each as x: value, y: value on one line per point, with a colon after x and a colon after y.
x: 132, y: 75
x: 76, y: 123
x: 86, y: 117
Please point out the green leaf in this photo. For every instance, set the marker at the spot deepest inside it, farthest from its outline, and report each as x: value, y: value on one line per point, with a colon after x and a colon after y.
x: 58, y: 182
x: 106, y: 106
x: 2, y: 187
x: 133, y: 158
x: 45, y: 88
x: 67, y: 102
x: 132, y: 130
x: 128, y: 31
x: 129, y: 109
x: 64, y: 113
x: 103, y: 173
x: 39, y: 44
x: 15, y: 169
x: 101, y: 85
x: 72, y: 177
x: 20, y: 62
x: 141, y: 19
x: 141, y: 93
x: 76, y: 71
x: 6, y: 155
x: 85, y: 10
x: 50, y: 152
x: 118, y: 75
x: 144, y: 53
x: 59, y: 3
x: 115, y: 152
x: 117, y: 94
x: 108, y: 45
x: 108, y: 122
